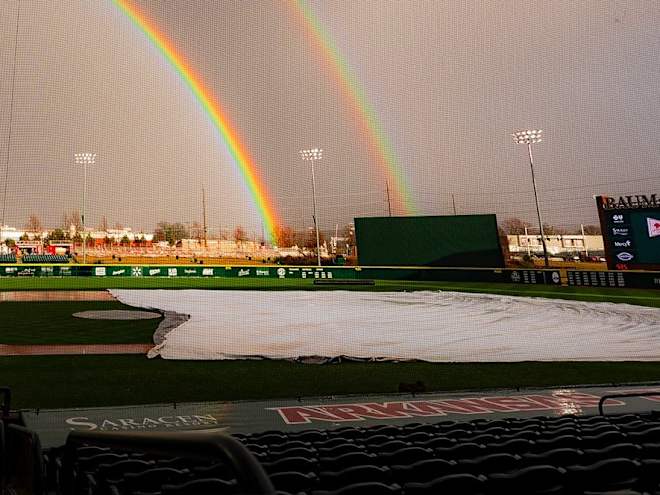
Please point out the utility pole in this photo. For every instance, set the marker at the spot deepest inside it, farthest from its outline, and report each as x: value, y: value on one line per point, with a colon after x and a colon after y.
x: 389, y: 203
x: 453, y: 203
x: 204, y: 215
x: 527, y: 242
x: 584, y: 241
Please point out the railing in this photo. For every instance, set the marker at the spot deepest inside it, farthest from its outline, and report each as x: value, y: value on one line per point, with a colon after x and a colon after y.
x: 26, y: 463
x: 5, y: 403
x: 604, y: 398
x: 193, y: 444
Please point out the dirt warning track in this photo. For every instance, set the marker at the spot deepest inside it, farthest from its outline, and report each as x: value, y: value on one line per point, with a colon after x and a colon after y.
x: 55, y: 295
x: 72, y: 349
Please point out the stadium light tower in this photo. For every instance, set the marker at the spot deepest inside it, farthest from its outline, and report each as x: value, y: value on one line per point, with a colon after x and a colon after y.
x: 312, y: 155
x: 84, y: 159
x: 529, y: 137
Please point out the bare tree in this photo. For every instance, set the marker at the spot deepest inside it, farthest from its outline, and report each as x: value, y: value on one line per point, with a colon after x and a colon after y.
x: 103, y: 227
x: 197, y: 231
x: 285, y: 236
x: 592, y: 230
x: 34, y: 224
x: 72, y: 218
x: 239, y: 234
x: 553, y: 230
x: 515, y: 226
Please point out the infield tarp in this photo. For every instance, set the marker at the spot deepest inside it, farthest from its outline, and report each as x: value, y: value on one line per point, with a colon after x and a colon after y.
x: 429, y: 326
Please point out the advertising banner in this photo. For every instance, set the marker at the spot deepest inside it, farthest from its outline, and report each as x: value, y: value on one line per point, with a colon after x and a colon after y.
x: 631, y: 231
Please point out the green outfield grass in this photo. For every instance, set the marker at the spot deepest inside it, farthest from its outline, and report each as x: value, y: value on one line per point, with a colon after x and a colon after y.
x: 53, y: 323
x: 71, y: 381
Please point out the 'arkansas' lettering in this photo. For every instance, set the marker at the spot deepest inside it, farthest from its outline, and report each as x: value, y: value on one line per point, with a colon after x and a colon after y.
x: 335, y: 413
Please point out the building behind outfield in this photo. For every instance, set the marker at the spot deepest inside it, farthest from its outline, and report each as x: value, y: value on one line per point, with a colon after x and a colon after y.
x: 452, y: 241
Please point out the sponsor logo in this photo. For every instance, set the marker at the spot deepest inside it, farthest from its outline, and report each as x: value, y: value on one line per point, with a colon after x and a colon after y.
x: 654, y: 227
x: 244, y: 272
x: 26, y: 272
x: 145, y: 423
x: 190, y: 271
x: 207, y: 271
x: 555, y: 277
x: 281, y: 272
x: 515, y: 277
x: 11, y: 269
x: 99, y: 271
x: 617, y: 218
x: 629, y: 202
x: 136, y: 271
x: 625, y: 256
x: 171, y: 272
x: 620, y: 230
x: 565, y: 402
x: 627, y: 243
x: 154, y: 271
x: 118, y: 272
x: 263, y: 273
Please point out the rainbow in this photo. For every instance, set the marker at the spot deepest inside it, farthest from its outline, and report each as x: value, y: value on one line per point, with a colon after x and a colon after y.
x: 363, y: 113
x: 215, y: 113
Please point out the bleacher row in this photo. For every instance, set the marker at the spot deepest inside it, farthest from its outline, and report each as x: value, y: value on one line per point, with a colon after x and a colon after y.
x: 45, y: 258
x: 614, y: 454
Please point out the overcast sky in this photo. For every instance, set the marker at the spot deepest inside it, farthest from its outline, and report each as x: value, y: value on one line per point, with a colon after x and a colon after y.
x: 448, y: 80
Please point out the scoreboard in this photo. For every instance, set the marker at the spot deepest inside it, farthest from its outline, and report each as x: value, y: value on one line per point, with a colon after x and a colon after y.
x: 631, y: 231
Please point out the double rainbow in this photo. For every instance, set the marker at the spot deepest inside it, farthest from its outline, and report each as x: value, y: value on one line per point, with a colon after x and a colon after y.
x: 363, y: 113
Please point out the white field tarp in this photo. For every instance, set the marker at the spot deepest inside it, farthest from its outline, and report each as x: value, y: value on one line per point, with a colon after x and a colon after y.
x: 429, y: 326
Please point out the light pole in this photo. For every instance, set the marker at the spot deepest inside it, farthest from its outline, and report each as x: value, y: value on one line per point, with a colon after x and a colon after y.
x: 529, y: 137
x: 84, y: 159
x: 312, y: 155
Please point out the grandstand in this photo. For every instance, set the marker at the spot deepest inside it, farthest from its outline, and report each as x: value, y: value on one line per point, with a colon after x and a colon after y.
x: 593, y: 454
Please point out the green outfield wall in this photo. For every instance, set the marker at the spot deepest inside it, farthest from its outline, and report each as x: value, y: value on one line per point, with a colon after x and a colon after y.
x: 448, y: 241
x: 574, y: 278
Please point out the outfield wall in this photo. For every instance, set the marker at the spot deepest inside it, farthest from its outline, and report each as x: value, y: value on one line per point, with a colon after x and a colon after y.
x: 573, y: 278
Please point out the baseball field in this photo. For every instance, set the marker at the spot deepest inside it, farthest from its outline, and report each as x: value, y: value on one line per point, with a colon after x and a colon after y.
x: 52, y: 359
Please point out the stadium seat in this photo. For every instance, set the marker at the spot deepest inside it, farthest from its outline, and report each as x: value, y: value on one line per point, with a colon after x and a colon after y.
x: 294, y: 481
x: 364, y: 489
x: 492, y: 463
x: 607, y: 475
x: 347, y: 460
x: 422, y: 471
x: 301, y: 464
x: 357, y: 474
x: 153, y: 479
x: 532, y: 480
x: 208, y: 486
x: 464, y: 484
x: 556, y: 457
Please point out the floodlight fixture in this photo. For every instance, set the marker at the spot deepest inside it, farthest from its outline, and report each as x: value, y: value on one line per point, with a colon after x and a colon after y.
x: 312, y: 155
x: 84, y: 159
x: 529, y: 137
